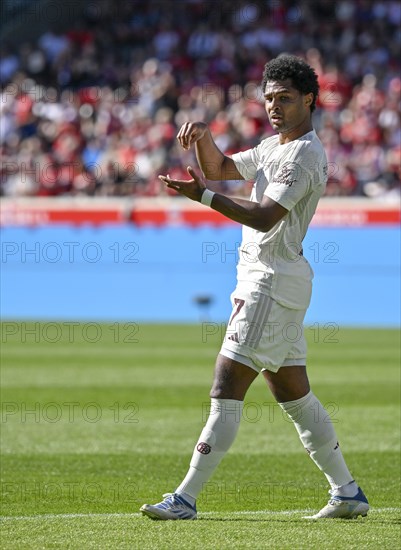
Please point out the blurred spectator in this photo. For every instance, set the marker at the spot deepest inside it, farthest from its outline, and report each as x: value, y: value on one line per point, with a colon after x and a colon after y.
x: 9, y: 63
x: 94, y: 110
x: 53, y: 44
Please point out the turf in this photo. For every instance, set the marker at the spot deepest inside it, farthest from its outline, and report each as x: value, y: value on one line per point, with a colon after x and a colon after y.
x: 98, y: 419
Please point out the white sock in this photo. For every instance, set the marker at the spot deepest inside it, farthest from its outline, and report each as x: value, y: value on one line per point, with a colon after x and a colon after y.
x: 216, y: 438
x: 317, y: 434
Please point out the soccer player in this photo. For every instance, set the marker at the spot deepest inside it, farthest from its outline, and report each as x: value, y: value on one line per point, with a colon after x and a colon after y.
x: 273, y: 287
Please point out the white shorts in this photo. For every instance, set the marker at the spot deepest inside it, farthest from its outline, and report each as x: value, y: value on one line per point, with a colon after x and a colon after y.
x: 262, y: 334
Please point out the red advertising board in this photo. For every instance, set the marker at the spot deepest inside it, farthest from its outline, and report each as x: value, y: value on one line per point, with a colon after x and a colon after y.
x: 177, y: 211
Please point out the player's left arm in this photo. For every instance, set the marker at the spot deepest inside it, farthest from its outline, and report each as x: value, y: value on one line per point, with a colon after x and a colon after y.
x: 260, y: 216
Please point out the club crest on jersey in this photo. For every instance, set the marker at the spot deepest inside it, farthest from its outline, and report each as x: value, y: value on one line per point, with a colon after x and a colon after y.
x: 203, y: 448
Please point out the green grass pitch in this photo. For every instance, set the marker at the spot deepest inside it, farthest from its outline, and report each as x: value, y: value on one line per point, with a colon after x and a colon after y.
x: 98, y: 419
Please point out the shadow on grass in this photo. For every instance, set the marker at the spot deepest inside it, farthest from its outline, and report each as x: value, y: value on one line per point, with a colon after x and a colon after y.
x: 356, y: 522
x: 254, y: 520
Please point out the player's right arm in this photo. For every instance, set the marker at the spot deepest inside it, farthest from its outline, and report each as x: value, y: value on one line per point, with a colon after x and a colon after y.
x: 213, y: 163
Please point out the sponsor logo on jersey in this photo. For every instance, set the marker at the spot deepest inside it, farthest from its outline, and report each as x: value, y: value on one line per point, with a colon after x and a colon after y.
x: 285, y: 177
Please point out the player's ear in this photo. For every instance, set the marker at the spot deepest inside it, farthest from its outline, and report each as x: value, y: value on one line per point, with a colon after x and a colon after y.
x: 309, y: 99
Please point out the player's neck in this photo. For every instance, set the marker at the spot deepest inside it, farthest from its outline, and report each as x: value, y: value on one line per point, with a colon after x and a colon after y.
x: 295, y: 133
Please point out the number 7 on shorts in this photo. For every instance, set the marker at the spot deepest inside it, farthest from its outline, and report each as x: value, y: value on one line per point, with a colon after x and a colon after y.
x: 239, y: 303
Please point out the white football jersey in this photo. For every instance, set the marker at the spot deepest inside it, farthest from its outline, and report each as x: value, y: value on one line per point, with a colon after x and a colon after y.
x: 294, y: 175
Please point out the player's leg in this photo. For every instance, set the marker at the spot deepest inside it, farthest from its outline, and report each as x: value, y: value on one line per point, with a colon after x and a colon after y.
x: 234, y: 373
x: 290, y: 387
x: 231, y: 379
x: 230, y: 384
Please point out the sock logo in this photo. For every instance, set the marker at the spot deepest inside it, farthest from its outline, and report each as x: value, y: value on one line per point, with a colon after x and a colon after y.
x: 203, y: 448
x: 337, y: 446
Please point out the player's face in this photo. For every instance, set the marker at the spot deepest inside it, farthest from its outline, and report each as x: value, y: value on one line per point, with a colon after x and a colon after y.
x: 288, y: 110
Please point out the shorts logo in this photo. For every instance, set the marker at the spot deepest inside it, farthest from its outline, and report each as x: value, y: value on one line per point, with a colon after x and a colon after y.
x: 203, y: 448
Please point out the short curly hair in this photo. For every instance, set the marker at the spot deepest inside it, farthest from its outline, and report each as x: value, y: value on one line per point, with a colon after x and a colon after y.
x: 303, y: 77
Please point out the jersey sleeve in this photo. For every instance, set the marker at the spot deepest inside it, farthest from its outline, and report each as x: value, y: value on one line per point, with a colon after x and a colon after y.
x: 246, y: 163
x: 290, y: 184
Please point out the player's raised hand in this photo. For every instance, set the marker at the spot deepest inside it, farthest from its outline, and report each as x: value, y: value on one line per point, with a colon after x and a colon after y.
x: 192, y: 189
x: 190, y: 133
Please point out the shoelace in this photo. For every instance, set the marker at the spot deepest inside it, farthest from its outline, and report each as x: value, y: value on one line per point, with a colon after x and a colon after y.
x: 171, y: 495
x: 335, y: 502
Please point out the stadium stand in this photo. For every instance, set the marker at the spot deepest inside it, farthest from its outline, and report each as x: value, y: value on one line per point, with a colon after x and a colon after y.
x: 93, y: 108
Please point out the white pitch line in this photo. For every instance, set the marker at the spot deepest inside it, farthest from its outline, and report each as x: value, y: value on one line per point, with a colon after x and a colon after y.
x: 202, y: 514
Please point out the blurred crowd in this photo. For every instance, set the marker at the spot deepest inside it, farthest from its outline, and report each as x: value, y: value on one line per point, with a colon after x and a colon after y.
x: 95, y: 109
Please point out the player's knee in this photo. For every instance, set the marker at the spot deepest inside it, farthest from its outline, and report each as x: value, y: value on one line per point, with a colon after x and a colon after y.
x: 219, y: 389
x: 227, y: 390
x: 231, y: 379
